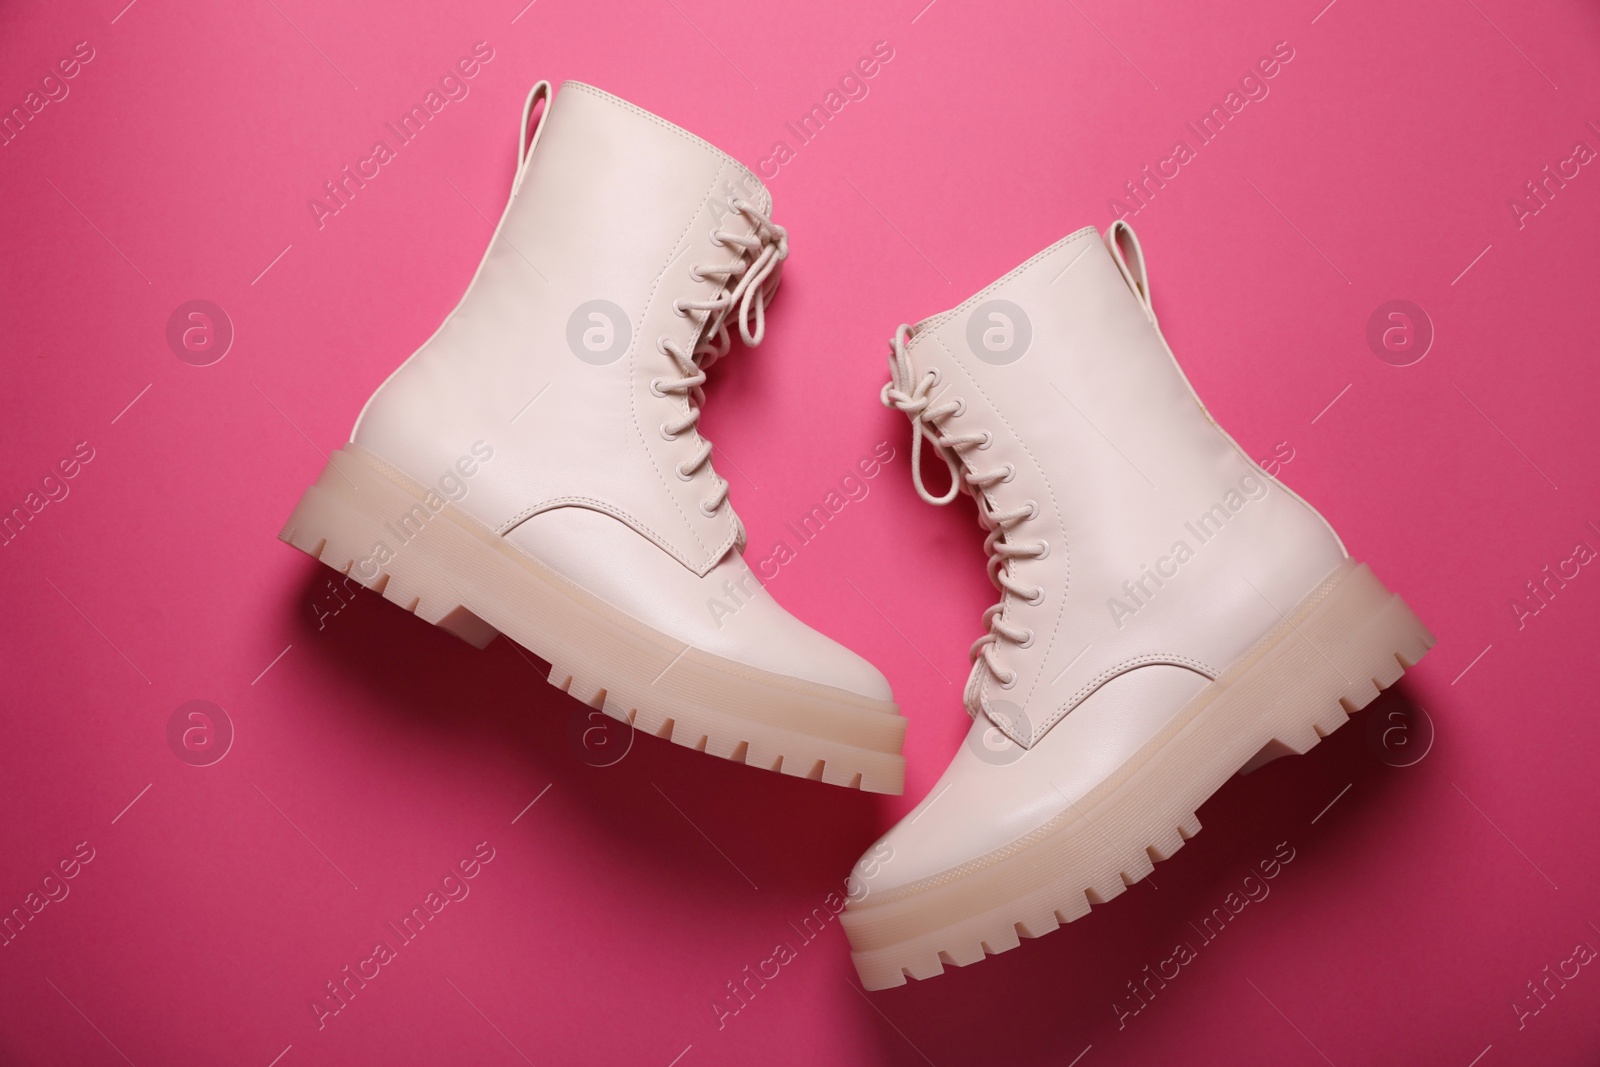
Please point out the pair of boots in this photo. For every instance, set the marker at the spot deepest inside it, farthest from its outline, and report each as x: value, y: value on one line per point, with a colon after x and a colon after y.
x: 1169, y: 614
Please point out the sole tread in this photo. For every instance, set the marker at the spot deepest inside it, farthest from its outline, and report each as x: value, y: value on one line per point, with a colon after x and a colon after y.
x: 894, y: 951
x: 699, y: 702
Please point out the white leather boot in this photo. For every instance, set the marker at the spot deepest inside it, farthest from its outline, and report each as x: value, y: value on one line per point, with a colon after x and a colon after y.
x: 1168, y: 614
x: 535, y: 468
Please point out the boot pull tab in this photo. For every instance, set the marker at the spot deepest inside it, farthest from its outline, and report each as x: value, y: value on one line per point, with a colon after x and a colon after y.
x: 526, y: 139
x: 1124, y: 246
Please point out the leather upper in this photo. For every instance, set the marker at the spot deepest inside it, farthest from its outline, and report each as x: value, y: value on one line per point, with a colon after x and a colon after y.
x: 554, y: 359
x: 1061, y: 368
x: 1141, y: 500
x: 613, y: 210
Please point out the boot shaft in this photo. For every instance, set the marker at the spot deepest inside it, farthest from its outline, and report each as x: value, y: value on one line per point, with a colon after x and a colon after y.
x: 1164, y: 542
x: 550, y: 356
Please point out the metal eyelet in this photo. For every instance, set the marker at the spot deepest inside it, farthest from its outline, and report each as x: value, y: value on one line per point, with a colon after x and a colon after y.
x: 655, y: 388
x: 988, y: 439
x: 1011, y: 472
x: 708, y: 510
x: 1028, y: 643
x: 666, y: 434
x: 1036, y: 599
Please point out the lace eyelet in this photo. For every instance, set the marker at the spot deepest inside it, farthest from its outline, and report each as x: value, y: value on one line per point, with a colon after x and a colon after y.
x: 1045, y: 550
x: 694, y: 273
x: 679, y: 310
x: 1036, y: 599
x: 666, y: 434
x: 682, y: 477
x: 708, y: 510
x: 961, y: 408
x: 1033, y: 510
x: 933, y: 376
x: 1028, y: 643
x: 716, y: 239
x: 988, y: 439
x: 1011, y: 472
x: 655, y: 388
x: 1009, y: 682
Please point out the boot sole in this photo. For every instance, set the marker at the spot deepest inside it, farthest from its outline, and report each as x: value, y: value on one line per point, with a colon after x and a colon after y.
x: 1326, y: 659
x: 458, y: 574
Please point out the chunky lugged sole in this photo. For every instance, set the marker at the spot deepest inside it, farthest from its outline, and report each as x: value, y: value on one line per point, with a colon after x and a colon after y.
x: 1326, y: 659
x: 456, y: 573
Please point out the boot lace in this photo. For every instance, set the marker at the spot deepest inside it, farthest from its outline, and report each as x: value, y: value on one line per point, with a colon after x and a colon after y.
x: 913, y: 395
x: 748, y: 284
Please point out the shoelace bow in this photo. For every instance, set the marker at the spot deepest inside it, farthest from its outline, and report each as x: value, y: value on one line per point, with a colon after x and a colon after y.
x: 754, y: 278
x: 911, y: 394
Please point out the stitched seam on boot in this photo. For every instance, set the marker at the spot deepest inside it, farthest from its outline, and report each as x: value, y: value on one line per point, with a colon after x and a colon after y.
x: 973, y: 301
x: 1149, y: 659
x: 633, y: 364
x: 622, y: 515
x: 697, y: 141
x: 983, y: 692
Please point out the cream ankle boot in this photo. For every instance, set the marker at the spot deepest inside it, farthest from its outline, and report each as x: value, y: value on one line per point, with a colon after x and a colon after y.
x: 535, y: 468
x: 1168, y: 614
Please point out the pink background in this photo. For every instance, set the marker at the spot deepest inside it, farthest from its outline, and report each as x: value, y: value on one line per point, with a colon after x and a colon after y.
x: 376, y: 752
